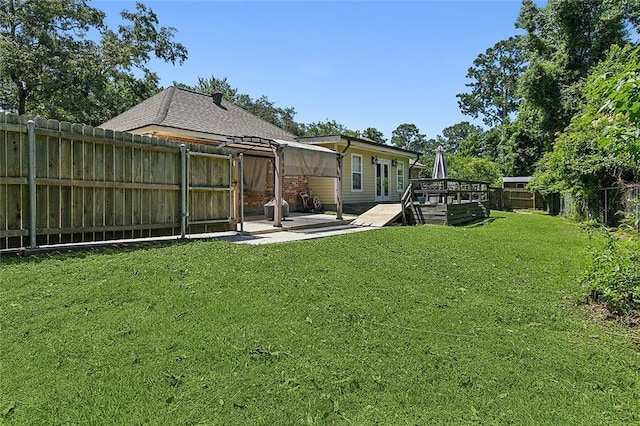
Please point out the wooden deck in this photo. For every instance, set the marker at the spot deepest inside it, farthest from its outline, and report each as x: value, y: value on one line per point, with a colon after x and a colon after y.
x: 453, y: 214
x: 445, y: 201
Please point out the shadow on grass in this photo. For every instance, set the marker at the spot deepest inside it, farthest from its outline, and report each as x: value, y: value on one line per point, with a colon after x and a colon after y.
x: 83, y: 250
x: 482, y: 222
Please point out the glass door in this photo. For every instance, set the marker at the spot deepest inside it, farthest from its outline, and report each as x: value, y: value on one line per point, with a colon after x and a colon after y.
x: 382, y: 180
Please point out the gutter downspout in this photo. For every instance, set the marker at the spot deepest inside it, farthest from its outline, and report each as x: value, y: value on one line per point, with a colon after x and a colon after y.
x: 414, y: 163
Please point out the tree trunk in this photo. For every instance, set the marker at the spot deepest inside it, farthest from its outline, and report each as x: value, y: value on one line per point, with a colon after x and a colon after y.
x: 22, y: 98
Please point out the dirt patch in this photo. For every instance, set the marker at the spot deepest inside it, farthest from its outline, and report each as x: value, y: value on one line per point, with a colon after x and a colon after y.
x: 598, y: 312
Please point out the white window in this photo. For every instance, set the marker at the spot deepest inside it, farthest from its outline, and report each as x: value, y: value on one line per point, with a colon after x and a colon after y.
x: 400, y: 176
x: 356, y: 172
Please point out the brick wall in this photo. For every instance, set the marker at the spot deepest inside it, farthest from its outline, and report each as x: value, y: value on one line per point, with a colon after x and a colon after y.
x: 291, y: 188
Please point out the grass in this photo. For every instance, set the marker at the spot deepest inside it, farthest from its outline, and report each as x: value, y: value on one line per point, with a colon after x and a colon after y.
x: 405, y: 325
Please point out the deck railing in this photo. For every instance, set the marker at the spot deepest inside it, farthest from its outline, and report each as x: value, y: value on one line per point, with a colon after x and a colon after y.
x: 447, y: 201
x: 448, y: 191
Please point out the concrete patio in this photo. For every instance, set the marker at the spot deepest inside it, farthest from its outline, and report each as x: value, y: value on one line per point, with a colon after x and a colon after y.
x: 254, y: 225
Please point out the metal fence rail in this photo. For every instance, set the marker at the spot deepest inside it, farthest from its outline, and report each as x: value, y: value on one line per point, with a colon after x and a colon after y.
x: 621, y: 204
x: 65, y: 183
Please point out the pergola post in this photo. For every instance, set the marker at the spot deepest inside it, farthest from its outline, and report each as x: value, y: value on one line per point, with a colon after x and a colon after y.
x: 339, y: 188
x: 277, y: 188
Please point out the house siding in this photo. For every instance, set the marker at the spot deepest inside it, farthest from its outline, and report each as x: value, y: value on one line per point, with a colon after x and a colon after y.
x: 325, y: 189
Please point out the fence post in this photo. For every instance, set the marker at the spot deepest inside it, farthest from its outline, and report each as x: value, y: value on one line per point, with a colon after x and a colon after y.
x: 606, y: 208
x: 183, y: 191
x: 636, y: 196
x: 241, y: 158
x: 31, y: 135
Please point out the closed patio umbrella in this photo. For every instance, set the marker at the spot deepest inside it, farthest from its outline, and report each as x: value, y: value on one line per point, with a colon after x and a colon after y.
x: 440, y: 164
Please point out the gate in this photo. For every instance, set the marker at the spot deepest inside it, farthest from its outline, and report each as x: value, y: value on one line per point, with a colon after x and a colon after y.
x: 209, y: 190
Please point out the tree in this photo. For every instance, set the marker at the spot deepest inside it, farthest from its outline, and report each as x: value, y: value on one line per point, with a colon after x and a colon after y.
x: 601, y: 145
x: 49, y: 65
x: 374, y: 134
x: 493, y: 89
x: 473, y: 168
x: 408, y: 136
x: 261, y: 107
x: 564, y: 40
x: 212, y: 85
x: 328, y: 128
x: 453, y: 136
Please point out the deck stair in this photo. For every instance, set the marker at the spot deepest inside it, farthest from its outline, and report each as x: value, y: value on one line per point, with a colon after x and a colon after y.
x: 411, y: 211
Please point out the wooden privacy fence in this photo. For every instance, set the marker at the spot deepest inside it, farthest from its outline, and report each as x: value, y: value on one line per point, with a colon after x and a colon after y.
x: 65, y: 183
x: 515, y: 199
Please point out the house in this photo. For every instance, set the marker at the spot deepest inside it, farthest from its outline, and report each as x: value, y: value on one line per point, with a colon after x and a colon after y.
x: 373, y: 172
x: 183, y: 114
x: 189, y: 116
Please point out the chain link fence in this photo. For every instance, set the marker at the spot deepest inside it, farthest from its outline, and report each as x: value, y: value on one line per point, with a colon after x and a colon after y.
x: 615, y: 206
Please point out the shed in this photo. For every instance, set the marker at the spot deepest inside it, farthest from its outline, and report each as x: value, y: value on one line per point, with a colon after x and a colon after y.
x: 518, y: 182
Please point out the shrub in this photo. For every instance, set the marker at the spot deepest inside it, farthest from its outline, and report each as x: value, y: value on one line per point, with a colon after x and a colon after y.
x: 613, y: 277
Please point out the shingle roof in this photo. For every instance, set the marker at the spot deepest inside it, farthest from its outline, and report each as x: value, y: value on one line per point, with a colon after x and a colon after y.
x: 184, y: 109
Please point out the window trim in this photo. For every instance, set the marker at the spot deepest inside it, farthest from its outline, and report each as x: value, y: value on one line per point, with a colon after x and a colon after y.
x: 360, y: 172
x: 400, y: 166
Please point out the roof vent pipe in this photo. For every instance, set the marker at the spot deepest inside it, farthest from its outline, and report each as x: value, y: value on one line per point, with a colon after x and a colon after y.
x: 217, y: 98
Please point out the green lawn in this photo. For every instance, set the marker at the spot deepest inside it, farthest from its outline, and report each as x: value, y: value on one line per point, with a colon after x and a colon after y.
x: 405, y: 325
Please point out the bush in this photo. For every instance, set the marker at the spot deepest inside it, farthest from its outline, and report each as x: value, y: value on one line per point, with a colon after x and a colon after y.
x: 613, y: 277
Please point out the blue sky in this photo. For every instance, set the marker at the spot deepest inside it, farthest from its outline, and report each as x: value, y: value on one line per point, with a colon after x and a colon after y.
x: 361, y: 63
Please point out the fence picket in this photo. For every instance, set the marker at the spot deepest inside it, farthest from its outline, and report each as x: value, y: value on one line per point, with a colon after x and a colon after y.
x: 95, y: 184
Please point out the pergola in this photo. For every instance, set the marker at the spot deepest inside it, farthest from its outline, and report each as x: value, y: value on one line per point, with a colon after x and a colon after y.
x: 291, y: 159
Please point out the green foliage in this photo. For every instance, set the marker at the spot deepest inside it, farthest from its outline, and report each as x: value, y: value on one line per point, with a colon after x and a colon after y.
x: 564, y: 40
x: 408, y: 136
x: 618, y: 92
x: 494, y: 78
x: 453, y: 136
x: 474, y: 168
x: 374, y: 134
x: 613, y: 276
x: 212, y: 85
x: 483, y: 144
x: 600, y: 148
x: 328, y: 128
x: 49, y: 65
x: 261, y: 107
x: 284, y: 118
